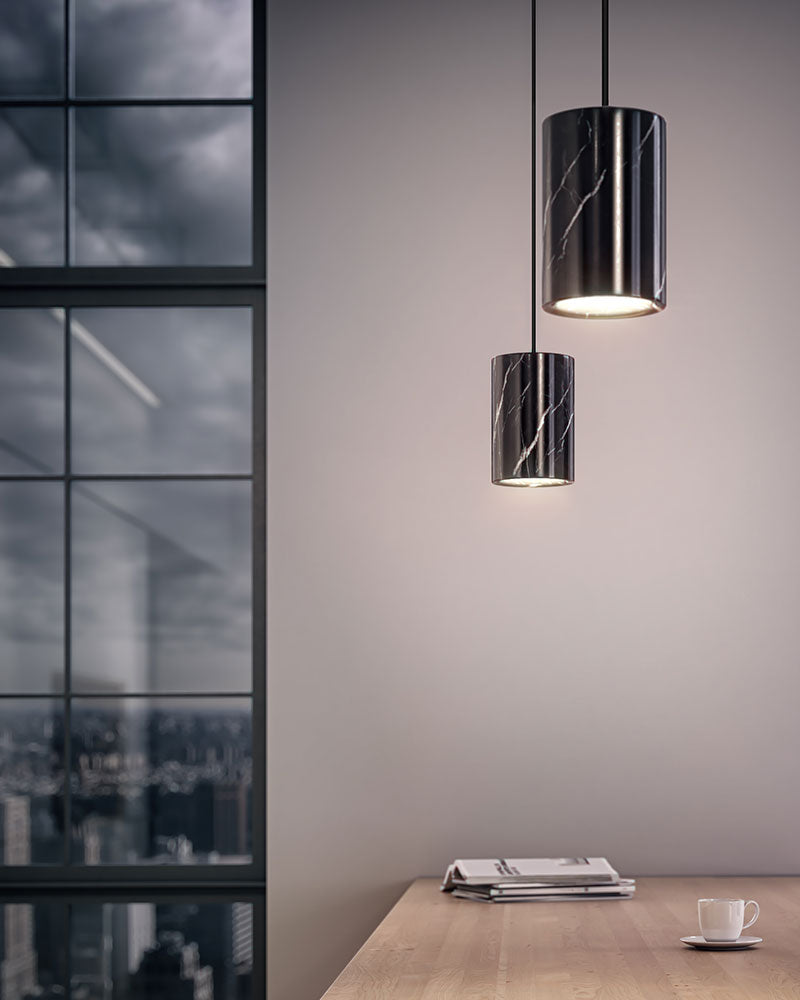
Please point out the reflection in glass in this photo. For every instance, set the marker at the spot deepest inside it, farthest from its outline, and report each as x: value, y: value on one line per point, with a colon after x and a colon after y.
x: 164, y: 48
x: 31, y: 781
x: 31, y: 186
x: 31, y: 392
x: 161, y: 781
x: 188, y: 409
x: 162, y: 186
x: 32, y: 48
x: 161, y: 586
x: 161, y: 951
x: 31, y: 587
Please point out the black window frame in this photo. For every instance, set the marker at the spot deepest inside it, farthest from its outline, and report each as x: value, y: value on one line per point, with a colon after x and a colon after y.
x: 77, y: 286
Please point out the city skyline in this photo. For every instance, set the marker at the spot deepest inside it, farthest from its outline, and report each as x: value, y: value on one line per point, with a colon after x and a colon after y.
x: 149, y: 783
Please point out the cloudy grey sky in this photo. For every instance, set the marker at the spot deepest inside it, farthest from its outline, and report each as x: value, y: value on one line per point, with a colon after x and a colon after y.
x: 197, y: 363
x: 161, y: 597
x: 32, y: 185
x: 32, y: 49
x: 162, y: 48
x: 31, y: 392
x: 162, y: 186
x: 194, y: 367
x: 31, y: 586
x: 161, y: 570
x: 152, y: 186
x: 127, y: 48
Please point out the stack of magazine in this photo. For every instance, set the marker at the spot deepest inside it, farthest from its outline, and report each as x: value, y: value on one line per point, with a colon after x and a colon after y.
x: 514, y: 880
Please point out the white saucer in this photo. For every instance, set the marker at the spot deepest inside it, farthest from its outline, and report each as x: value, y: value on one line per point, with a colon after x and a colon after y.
x: 696, y: 941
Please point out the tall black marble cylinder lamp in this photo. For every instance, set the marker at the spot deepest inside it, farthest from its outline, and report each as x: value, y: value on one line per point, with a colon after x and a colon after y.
x: 604, y: 225
x: 533, y: 419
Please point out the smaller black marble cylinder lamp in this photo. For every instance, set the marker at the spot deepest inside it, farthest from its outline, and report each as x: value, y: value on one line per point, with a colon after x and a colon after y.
x: 604, y: 223
x: 533, y: 419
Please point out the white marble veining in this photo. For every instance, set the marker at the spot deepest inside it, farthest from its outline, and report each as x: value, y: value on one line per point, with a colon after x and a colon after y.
x: 562, y: 186
x: 501, y: 399
x: 526, y: 451
x: 548, y: 413
x: 645, y: 137
x: 556, y: 257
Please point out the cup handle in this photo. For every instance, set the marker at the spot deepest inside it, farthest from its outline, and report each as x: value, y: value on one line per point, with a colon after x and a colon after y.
x: 751, y: 902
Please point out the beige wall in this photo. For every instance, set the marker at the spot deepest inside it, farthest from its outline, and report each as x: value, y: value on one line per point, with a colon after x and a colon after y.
x: 457, y: 669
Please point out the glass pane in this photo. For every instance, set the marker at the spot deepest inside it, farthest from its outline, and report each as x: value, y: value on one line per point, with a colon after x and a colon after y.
x: 161, y: 390
x: 31, y: 781
x: 32, y: 48
x: 31, y: 587
x: 160, y: 951
x: 161, y: 186
x: 164, y: 48
x: 31, y: 187
x: 161, y: 587
x: 31, y: 392
x: 161, y: 781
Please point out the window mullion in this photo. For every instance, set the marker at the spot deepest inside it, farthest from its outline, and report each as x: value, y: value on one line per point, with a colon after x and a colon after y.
x: 67, y: 704
x: 68, y: 121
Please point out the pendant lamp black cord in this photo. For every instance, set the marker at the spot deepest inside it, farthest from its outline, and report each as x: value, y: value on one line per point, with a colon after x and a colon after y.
x: 533, y: 176
x: 605, y: 53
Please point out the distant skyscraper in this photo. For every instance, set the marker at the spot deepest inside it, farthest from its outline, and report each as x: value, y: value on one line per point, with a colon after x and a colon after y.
x: 242, y: 937
x: 89, y: 842
x: 230, y: 819
x: 15, y: 825
x: 17, y: 954
x: 242, y: 950
x: 108, y: 942
x: 141, y: 932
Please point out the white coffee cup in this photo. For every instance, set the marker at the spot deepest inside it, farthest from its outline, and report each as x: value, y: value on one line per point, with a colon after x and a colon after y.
x: 723, y: 919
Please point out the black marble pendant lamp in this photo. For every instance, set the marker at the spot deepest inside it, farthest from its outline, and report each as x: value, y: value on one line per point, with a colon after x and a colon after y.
x: 533, y: 394
x: 533, y: 418
x: 603, y: 230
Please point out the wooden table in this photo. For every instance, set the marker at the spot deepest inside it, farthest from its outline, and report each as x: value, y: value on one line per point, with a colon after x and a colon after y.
x: 434, y: 947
